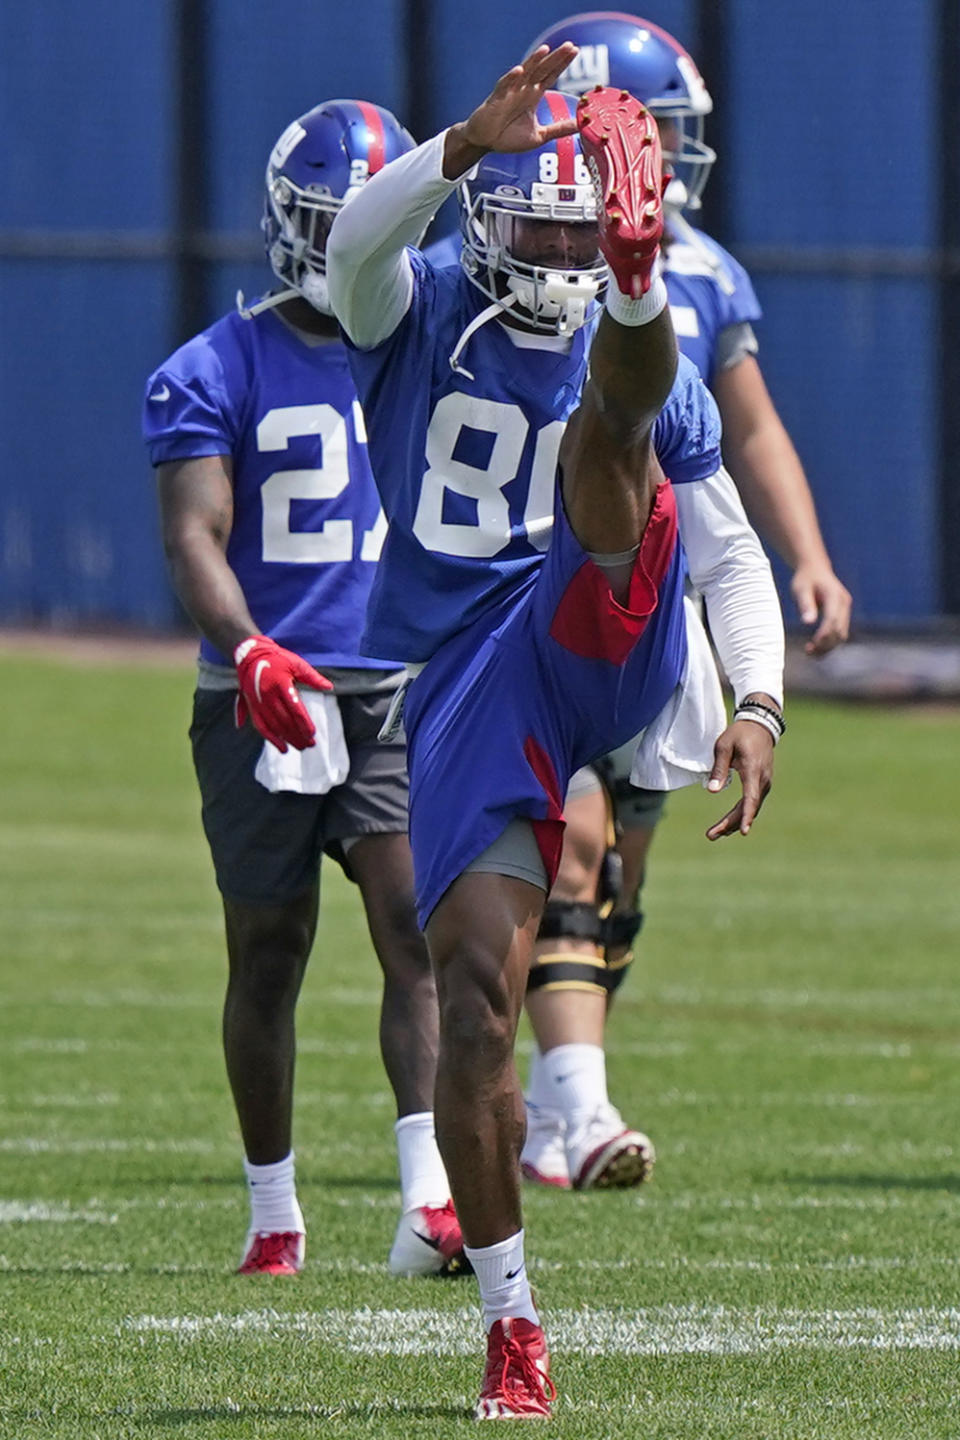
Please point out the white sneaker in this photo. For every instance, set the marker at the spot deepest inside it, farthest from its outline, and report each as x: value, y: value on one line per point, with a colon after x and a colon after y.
x: 429, y: 1242
x: 605, y: 1154
x: 543, y: 1158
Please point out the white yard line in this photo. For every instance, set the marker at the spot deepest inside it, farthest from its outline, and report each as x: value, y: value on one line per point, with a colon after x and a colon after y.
x: 670, y: 1330
x: 71, y: 1100
x: 783, y: 998
x: 22, y: 1212
x: 42, y: 1145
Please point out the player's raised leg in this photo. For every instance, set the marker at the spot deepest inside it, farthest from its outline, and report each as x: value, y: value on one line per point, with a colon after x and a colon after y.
x: 610, y: 475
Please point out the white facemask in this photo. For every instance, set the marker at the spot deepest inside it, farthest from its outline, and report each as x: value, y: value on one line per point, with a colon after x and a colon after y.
x: 562, y: 297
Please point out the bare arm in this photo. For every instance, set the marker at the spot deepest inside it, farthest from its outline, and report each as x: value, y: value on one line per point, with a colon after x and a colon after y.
x: 770, y: 477
x: 196, y: 513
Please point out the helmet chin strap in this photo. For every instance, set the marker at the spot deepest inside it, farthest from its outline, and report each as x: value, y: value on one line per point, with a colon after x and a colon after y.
x: 562, y: 297
x: 313, y: 290
x: 471, y: 329
x: 247, y: 312
x: 681, y: 229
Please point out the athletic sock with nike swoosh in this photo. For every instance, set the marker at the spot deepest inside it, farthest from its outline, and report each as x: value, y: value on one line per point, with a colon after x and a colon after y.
x: 574, y: 1078
x: 502, y: 1276
x: 423, y: 1179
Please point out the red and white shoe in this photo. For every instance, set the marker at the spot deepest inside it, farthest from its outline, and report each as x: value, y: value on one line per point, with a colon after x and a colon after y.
x: 543, y: 1158
x: 605, y: 1154
x: 516, y: 1382
x: 429, y: 1242
x: 279, y: 1253
x: 621, y: 145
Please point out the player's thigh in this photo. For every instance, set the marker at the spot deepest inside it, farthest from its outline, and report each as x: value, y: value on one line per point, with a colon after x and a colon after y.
x: 269, y: 945
x: 382, y: 866
x: 265, y: 847
x: 481, y: 936
x: 584, y: 839
x: 609, y: 481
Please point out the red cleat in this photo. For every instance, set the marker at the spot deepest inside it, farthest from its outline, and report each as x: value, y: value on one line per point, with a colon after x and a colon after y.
x: 621, y: 145
x: 621, y: 1160
x: 279, y: 1254
x: 516, y: 1382
x: 429, y: 1242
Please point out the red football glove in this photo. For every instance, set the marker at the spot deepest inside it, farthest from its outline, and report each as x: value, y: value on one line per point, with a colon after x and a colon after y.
x: 269, y: 676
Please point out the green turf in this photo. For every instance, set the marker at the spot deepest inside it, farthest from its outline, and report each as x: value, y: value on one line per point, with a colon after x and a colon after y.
x: 790, y: 1040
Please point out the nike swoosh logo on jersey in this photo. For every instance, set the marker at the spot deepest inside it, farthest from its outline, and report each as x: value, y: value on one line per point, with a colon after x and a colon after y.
x: 161, y: 395
x: 261, y: 666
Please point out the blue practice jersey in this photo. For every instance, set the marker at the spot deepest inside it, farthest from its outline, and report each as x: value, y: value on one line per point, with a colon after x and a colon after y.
x: 709, y: 290
x: 307, y: 523
x: 467, y: 468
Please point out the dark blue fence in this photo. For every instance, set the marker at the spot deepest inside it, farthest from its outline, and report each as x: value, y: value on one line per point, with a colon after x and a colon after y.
x: 830, y: 173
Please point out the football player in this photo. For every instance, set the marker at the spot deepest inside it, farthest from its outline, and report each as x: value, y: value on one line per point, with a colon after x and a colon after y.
x: 542, y: 622
x: 713, y: 307
x: 272, y: 528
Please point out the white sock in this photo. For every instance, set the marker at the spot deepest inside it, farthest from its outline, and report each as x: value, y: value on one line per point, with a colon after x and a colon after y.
x: 627, y: 311
x: 502, y: 1276
x: 538, y: 1095
x: 423, y: 1179
x: 273, y: 1198
x: 577, y: 1081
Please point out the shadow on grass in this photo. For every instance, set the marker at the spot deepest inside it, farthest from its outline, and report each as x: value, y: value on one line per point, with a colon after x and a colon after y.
x: 949, y: 1183
x: 352, y: 1410
x: 352, y: 1182
x: 234, y: 1181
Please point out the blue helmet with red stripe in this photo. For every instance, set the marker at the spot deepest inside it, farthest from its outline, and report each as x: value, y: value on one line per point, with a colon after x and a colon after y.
x: 529, y: 226
x: 634, y: 54
x: 315, y: 165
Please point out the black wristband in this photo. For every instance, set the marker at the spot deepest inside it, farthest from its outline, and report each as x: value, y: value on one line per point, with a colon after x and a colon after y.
x: 764, y: 709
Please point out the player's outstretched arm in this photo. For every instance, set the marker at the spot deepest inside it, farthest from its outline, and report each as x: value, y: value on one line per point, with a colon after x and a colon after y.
x: 746, y: 747
x: 727, y: 565
x: 771, y: 479
x: 369, y: 277
x: 196, y: 512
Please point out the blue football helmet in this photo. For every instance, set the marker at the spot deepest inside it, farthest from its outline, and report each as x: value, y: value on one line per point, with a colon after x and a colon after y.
x: 318, y: 162
x: 636, y: 55
x: 529, y: 227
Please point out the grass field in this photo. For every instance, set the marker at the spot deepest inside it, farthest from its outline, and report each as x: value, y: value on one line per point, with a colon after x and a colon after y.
x: 790, y: 1040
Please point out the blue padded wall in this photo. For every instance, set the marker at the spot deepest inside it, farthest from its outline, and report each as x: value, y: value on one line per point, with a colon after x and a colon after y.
x: 830, y: 146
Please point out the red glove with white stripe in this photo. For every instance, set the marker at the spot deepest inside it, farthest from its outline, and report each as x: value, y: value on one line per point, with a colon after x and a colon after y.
x: 269, y: 676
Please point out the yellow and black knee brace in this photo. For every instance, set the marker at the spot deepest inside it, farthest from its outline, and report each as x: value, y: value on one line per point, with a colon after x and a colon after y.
x: 564, y: 970
x: 570, y: 920
x: 619, y: 929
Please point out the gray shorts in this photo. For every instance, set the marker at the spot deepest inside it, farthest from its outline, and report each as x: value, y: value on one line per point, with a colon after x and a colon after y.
x: 267, y: 847
x: 514, y: 852
x: 634, y: 809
